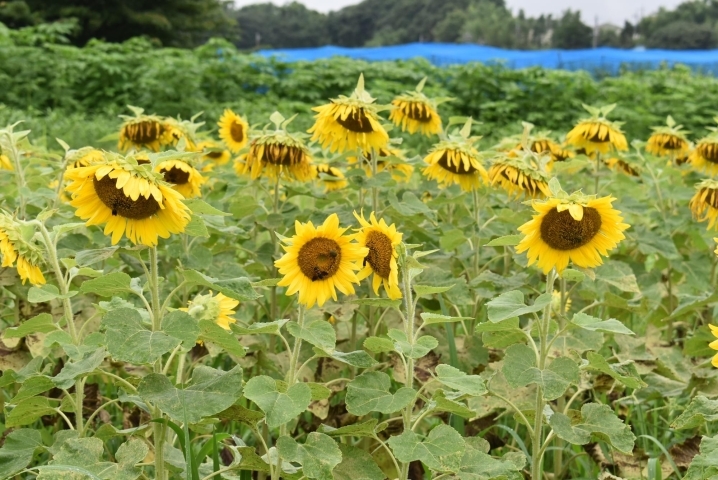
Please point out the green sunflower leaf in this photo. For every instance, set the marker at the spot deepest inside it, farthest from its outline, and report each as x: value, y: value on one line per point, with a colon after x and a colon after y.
x: 595, y: 422
x: 318, y: 455
x: 511, y: 304
x: 520, y: 370
x: 213, y: 333
x: 461, y: 382
x: 40, y: 324
x: 624, y: 372
x: 698, y: 412
x: 237, y: 288
x: 279, y: 405
x: 442, y: 450
x: 17, y: 451
x: 369, y: 392
x: 318, y: 332
x: 107, y: 285
x: 356, y: 465
x: 597, y: 325
x: 130, y: 340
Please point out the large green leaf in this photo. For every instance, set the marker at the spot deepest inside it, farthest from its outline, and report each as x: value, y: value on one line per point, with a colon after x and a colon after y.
x: 520, y: 369
x: 364, y: 429
x: 705, y: 465
x: 511, y: 304
x: 478, y: 465
x: 624, y: 372
x: 79, y: 458
x: 356, y: 464
x: 442, y: 450
x: 418, y: 349
x: 279, y: 405
x: 17, y: 451
x: 359, y: 358
x: 181, y: 325
x: 107, y: 285
x: 318, y: 455
x: 317, y: 332
x: 130, y: 453
x: 33, y: 386
x: 129, y: 340
x: 74, y: 370
x: 27, y: 411
x: 237, y: 288
x: 213, y: 333
x: 210, y: 392
x: 454, y: 378
x: 369, y: 392
x: 619, y: 275
x: 40, y: 324
x: 595, y: 422
x: 698, y: 412
x: 597, y: 325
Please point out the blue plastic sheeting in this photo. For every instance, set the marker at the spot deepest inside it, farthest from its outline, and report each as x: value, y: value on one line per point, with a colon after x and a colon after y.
x: 609, y: 60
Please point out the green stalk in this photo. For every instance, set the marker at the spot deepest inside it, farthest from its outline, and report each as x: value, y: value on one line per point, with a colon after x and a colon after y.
x: 374, y: 190
x: 477, y: 230
x: 595, y: 172
x: 409, y: 331
x: 558, y: 453
x: 158, y: 428
x: 537, y: 437
x: 19, y: 175
x: 455, y: 420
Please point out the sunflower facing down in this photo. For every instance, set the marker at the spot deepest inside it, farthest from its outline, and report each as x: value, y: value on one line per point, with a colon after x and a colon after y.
x: 415, y: 112
x: 668, y: 140
x: 597, y: 133
x: 141, y: 131
x: 714, y: 344
x: 349, y: 123
x: 518, y: 176
x: 618, y: 165
x: 213, y: 154
x: 182, y: 176
x: 330, y: 177
x: 318, y: 261
x: 18, y: 251
x: 129, y: 198
x: 381, y: 240
x: 233, y: 130
x: 214, y: 308
x: 578, y: 228
x: 456, y: 161
x: 400, y: 172
x: 704, y: 204
x: 704, y: 157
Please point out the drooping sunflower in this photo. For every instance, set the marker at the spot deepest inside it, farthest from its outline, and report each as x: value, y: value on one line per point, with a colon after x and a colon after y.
x: 619, y: 165
x: 456, y: 161
x: 415, y: 112
x: 381, y: 240
x: 83, y: 157
x: 577, y: 228
x: 182, y: 176
x: 141, y: 131
x: 214, y: 308
x: 17, y: 250
x: 213, y: 154
x: 704, y: 157
x: 318, y: 261
x: 129, y: 198
x: 350, y: 123
x: 668, y: 140
x: 704, y: 204
x: 400, y: 172
x: 714, y: 345
x: 597, y: 133
x: 330, y: 177
x: 177, y: 129
x: 519, y: 176
x: 276, y: 152
x: 233, y: 130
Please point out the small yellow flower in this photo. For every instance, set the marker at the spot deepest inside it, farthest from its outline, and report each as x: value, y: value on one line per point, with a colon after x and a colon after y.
x: 214, y: 308
x: 5, y: 163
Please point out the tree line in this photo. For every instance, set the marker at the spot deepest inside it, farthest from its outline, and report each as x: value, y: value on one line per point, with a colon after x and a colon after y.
x: 186, y: 23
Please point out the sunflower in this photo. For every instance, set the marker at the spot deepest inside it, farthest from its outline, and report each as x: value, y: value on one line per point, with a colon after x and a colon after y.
x: 597, y: 133
x: 17, y: 250
x: 5, y: 163
x: 141, y: 131
x: 320, y: 260
x: 276, y: 152
x: 578, y: 228
x: 213, y: 153
x: 704, y: 157
x: 332, y: 178
x: 381, y: 241
x: 183, y: 177
x: 83, y: 157
x: 519, y: 176
x: 456, y: 161
x: 129, y: 197
x: 400, y: 172
x: 349, y: 123
x: 233, y: 130
x: 214, y: 308
x: 178, y: 129
x: 414, y: 111
x: 704, y: 204
x: 618, y: 165
x: 668, y: 140
x: 714, y: 345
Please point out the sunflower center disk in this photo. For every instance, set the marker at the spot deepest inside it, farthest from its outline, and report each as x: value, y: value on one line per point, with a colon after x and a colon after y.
x: 459, y: 169
x: 417, y: 112
x: 175, y: 176
x: 672, y: 143
x: 561, y: 232
x: 709, y: 151
x: 144, y: 132
x: 319, y: 258
x: 122, y: 205
x: 380, y: 253
x: 214, y: 154
x: 356, y: 121
x: 278, y: 154
x: 236, y: 131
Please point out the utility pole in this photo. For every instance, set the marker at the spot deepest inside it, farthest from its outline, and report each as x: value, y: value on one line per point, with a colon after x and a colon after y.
x: 595, y: 31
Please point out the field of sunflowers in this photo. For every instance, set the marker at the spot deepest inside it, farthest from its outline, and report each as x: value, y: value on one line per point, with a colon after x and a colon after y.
x: 410, y: 285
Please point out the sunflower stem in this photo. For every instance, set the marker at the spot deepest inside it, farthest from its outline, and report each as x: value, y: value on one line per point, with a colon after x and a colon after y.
x: 58, y: 187
x: 537, y: 437
x: 19, y: 174
x: 596, y: 172
x: 561, y: 404
x: 158, y: 428
x: 477, y: 230
x: 374, y: 190
x: 409, y: 331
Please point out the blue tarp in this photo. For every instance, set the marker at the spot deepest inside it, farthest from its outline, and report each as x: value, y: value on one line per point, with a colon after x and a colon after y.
x: 609, y: 60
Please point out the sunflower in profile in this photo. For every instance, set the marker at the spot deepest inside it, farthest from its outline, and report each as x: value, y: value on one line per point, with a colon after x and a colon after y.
x: 5, y: 163
x: 618, y: 165
x: 330, y: 177
x: 350, y: 123
x: 177, y: 129
x: 276, y: 152
x: 182, y: 176
x: 704, y: 157
x: 578, y: 228
x: 214, y: 308
x: 704, y: 204
x: 213, y: 154
x: 17, y: 250
x: 400, y: 172
x: 126, y: 195
x: 597, y: 133
x: 455, y: 161
x: 233, y: 130
x: 415, y: 112
x: 519, y: 175
x: 714, y: 344
x: 318, y: 261
x: 668, y: 140
x: 141, y: 131
x: 381, y: 241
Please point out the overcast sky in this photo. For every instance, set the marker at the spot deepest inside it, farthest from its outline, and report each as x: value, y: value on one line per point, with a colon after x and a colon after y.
x: 608, y: 11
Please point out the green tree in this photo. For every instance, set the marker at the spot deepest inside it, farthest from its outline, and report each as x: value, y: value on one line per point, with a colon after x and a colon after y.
x: 683, y: 35
x: 292, y: 25
x: 571, y: 33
